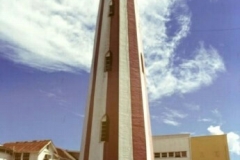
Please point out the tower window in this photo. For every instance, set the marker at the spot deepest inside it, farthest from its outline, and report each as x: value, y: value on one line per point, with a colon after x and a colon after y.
x: 142, y: 62
x: 108, y: 61
x: 111, y: 9
x: 104, y: 128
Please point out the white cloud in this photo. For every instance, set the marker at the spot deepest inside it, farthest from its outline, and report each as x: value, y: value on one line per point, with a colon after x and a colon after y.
x: 218, y: 119
x: 174, y: 114
x: 171, y: 122
x: 164, y: 77
x: 233, y: 138
x: 215, y: 130
x: 234, y: 142
x: 58, y: 35
x: 216, y: 113
x: 192, y: 107
x: 48, y: 35
x: 172, y: 117
x: 205, y: 120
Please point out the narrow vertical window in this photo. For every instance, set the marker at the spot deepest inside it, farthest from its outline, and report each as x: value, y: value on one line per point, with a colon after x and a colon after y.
x: 142, y: 62
x: 18, y: 156
x: 111, y: 9
x: 104, y: 128
x: 108, y: 61
x: 26, y: 156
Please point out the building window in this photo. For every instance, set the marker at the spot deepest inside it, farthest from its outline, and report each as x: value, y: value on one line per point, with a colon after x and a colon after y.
x: 171, y: 154
x: 108, y: 61
x: 104, y: 128
x: 55, y: 156
x: 26, y: 156
x: 47, y: 157
x: 177, y: 154
x: 157, y: 155
x: 17, y: 156
x: 184, y: 154
x: 164, y: 155
x: 111, y: 9
x: 9, y: 152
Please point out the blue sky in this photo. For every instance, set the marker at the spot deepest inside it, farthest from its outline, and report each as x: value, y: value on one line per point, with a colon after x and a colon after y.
x: 191, y: 52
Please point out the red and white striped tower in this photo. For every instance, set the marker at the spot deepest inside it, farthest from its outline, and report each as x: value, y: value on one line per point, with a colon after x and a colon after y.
x: 117, y: 122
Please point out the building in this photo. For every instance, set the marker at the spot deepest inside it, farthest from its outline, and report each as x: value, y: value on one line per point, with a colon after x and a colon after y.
x: 5, y: 153
x: 34, y: 150
x: 117, y: 123
x: 74, y: 154
x: 172, y: 146
x: 65, y: 155
x: 184, y: 147
x: 169, y: 147
x: 210, y: 147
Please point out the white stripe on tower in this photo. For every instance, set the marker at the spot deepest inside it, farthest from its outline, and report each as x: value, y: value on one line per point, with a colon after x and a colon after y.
x: 89, y: 115
x: 125, y: 112
x: 100, y: 95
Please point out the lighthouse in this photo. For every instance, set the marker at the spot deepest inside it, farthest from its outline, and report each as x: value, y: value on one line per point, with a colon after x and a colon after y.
x: 117, y: 122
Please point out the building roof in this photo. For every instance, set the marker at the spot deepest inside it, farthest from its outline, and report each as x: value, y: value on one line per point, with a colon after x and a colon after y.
x: 5, y: 149
x: 63, y: 154
x: 75, y: 154
x: 27, y: 146
x: 210, y: 136
x: 171, y: 136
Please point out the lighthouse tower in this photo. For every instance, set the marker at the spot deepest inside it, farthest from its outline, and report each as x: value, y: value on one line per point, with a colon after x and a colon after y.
x: 117, y: 123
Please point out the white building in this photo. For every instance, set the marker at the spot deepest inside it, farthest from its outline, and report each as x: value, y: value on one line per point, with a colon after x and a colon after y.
x: 5, y: 153
x: 184, y: 147
x: 33, y: 150
x: 172, y: 147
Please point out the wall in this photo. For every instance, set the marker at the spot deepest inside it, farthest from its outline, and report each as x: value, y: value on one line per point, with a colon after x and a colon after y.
x: 48, y: 151
x: 172, y: 143
x: 33, y: 156
x: 210, y: 148
x: 5, y: 156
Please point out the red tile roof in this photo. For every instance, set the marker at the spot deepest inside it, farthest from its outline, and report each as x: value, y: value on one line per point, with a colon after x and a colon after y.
x: 28, y: 146
x: 64, y: 154
x: 75, y: 154
x: 5, y: 149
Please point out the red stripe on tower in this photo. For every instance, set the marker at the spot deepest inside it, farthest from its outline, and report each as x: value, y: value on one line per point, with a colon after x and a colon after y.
x: 138, y: 130
x: 112, y: 103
